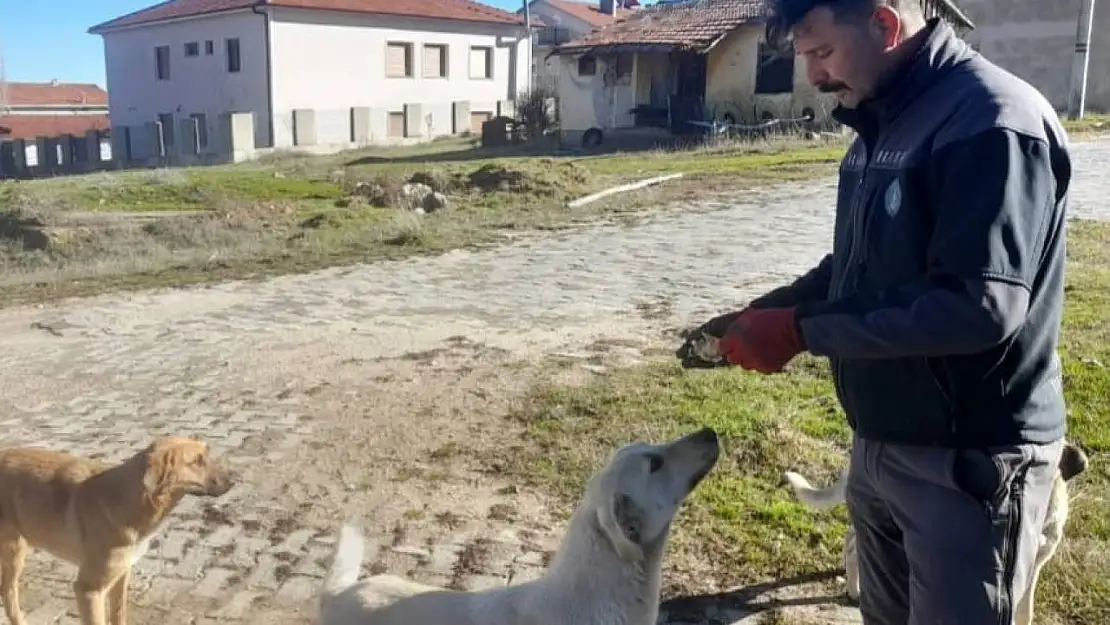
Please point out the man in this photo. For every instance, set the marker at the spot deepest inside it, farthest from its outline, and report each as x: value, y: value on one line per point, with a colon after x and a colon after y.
x: 939, y: 307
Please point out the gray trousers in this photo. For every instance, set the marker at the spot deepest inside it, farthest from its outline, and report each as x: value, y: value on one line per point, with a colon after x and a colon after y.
x: 946, y: 536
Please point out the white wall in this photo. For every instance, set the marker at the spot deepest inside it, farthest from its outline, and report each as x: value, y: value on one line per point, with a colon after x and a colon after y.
x: 1035, y: 39
x: 587, y: 102
x: 547, y: 70
x: 331, y: 62
x: 199, y: 84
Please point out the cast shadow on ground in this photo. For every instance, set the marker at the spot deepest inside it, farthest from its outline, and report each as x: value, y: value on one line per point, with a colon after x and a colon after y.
x: 755, y: 598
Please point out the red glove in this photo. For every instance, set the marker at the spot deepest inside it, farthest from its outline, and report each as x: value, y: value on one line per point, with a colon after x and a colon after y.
x: 763, y: 339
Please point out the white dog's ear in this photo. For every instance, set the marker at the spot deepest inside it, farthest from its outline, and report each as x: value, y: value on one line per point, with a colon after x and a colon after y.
x: 622, y: 522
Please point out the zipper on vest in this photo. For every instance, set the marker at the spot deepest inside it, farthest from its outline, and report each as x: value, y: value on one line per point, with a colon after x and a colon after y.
x: 849, y: 265
x: 857, y: 220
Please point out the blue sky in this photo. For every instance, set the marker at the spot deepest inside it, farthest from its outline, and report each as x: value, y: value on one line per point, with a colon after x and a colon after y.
x: 46, y: 39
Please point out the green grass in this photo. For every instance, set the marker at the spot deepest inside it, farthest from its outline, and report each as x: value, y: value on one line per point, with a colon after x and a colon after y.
x: 743, y: 524
x: 291, y: 213
x: 1090, y: 124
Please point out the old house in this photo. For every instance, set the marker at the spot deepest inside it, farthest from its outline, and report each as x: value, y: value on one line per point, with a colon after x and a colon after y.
x: 560, y: 21
x: 51, y: 109
x: 680, y: 65
x: 1036, y: 39
x: 315, y: 74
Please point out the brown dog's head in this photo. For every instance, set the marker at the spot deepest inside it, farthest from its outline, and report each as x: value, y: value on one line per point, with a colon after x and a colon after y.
x: 180, y: 465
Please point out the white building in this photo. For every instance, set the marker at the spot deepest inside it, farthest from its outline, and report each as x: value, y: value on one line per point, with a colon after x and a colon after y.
x: 315, y: 72
x: 560, y: 21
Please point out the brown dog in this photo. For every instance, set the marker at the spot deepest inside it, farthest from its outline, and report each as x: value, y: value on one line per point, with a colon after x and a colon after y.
x: 97, y: 516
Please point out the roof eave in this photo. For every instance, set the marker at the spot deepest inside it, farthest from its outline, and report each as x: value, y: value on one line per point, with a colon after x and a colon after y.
x: 631, y: 47
x: 107, y: 27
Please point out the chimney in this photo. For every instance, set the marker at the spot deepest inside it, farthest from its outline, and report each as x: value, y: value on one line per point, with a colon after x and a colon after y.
x: 607, y: 7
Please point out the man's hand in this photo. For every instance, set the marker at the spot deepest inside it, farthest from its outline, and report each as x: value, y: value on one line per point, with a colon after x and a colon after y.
x: 700, y: 349
x: 762, y: 339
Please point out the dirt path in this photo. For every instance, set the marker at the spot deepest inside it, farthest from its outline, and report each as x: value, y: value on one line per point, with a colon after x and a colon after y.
x: 370, y: 392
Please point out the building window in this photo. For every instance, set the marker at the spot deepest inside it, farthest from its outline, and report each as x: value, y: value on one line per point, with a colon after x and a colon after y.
x: 162, y: 62
x: 587, y: 66
x: 396, y: 124
x: 209, y: 48
x: 477, y: 118
x: 774, y: 73
x: 435, y: 61
x: 398, y: 60
x: 481, y: 62
x: 234, y: 63
x: 201, y: 121
x: 166, y: 122
x: 553, y: 36
x: 192, y: 49
x: 623, y: 65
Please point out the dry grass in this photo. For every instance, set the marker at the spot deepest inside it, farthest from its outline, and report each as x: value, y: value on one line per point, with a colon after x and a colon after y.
x: 289, y: 213
x: 743, y: 526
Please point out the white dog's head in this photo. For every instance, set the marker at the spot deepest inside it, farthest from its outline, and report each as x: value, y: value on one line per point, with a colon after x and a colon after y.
x: 639, y: 491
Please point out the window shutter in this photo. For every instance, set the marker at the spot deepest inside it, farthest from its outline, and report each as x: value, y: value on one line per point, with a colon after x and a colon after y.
x: 434, y: 61
x: 397, y: 60
x: 480, y: 63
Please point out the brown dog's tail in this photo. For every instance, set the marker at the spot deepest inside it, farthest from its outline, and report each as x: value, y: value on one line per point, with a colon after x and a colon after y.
x: 820, y: 498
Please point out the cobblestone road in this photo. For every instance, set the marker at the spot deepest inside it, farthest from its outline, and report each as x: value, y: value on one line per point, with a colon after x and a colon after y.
x: 102, y: 376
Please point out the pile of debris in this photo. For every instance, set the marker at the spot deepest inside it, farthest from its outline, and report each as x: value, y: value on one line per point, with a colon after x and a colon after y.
x: 413, y: 194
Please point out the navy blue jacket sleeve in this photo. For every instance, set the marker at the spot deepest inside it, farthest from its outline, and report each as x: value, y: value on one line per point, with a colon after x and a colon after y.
x: 995, y: 194
x: 813, y: 286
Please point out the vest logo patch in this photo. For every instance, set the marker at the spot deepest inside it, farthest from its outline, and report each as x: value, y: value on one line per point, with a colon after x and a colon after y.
x: 892, y: 199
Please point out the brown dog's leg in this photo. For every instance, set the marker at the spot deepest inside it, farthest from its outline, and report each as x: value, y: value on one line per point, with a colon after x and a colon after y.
x: 95, y: 577
x: 13, y: 552
x: 117, y: 600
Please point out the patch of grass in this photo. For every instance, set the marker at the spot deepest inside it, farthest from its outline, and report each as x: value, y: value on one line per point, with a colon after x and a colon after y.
x: 178, y: 189
x: 1090, y: 124
x: 289, y: 213
x: 743, y: 525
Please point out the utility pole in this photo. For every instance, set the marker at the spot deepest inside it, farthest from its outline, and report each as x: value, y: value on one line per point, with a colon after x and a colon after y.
x: 1077, y: 100
x: 531, y: 46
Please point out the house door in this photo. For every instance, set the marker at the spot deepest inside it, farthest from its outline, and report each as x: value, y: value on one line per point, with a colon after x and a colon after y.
x: 688, y: 103
x: 691, y: 69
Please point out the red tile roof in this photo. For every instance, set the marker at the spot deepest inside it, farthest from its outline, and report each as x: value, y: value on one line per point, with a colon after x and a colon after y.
x: 55, y: 94
x: 464, y: 10
x: 31, y: 126
x: 588, y: 11
x: 693, y: 25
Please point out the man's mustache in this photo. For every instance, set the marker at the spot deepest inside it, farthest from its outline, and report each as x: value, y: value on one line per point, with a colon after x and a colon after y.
x: 831, y: 87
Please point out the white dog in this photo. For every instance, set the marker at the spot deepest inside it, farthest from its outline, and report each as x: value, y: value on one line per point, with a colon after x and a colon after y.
x: 606, y: 571
x: 1072, y: 462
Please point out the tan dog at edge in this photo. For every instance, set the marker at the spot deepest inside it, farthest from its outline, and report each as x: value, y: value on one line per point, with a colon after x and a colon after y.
x: 1073, y: 461
x: 97, y: 516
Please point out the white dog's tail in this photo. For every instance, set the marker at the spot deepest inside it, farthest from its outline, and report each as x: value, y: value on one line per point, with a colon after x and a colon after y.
x: 821, y: 499
x: 346, y: 561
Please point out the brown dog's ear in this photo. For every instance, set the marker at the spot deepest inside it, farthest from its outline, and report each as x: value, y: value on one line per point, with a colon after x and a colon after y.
x: 161, y: 469
x: 622, y: 523
x: 1072, y: 461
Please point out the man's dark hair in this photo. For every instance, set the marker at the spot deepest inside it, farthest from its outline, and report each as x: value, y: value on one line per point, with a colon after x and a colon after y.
x: 784, y: 15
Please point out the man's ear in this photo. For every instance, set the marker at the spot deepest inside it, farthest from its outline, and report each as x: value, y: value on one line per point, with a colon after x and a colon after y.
x: 888, y: 24
x: 622, y: 523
